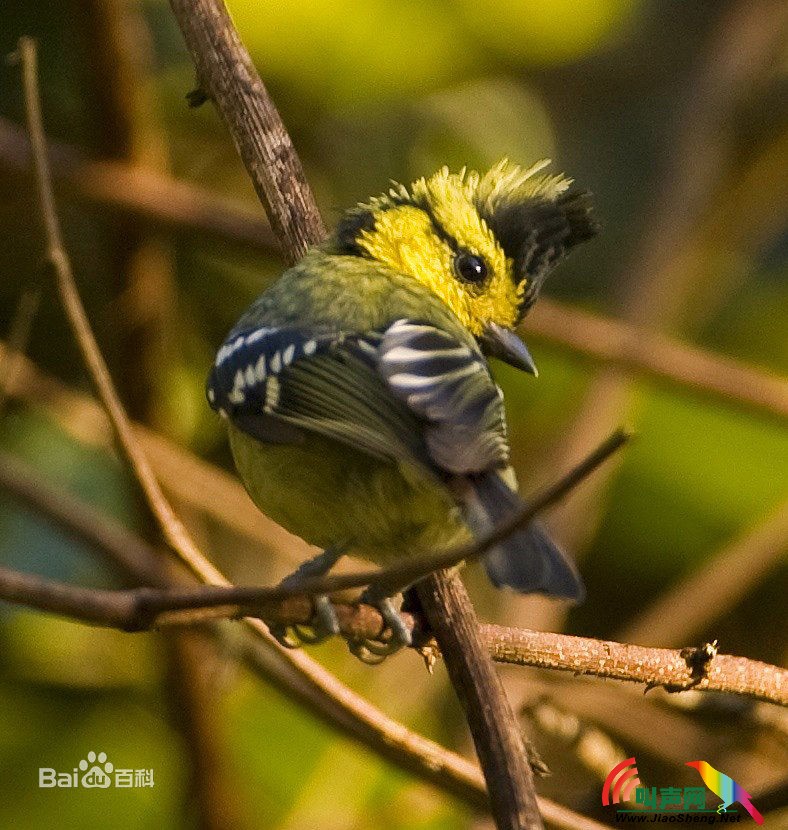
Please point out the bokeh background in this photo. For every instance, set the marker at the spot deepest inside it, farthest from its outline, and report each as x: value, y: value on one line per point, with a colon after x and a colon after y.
x: 671, y: 113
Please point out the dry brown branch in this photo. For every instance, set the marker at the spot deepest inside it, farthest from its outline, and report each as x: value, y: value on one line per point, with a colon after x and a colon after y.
x: 674, y: 670
x: 302, y: 677
x: 722, y: 581
x: 653, y: 667
x: 144, y: 609
x: 154, y: 197
x: 671, y: 669
x: 636, y: 348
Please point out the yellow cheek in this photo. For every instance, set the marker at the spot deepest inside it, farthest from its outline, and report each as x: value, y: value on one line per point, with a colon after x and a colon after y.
x: 404, y: 240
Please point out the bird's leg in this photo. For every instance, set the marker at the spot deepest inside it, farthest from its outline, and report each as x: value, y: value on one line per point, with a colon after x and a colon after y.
x: 325, y: 623
x: 398, y: 633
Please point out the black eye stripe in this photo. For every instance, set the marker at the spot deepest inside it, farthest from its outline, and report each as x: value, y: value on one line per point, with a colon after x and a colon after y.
x: 440, y: 231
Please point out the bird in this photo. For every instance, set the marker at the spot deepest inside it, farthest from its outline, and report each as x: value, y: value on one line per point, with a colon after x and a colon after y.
x: 726, y: 788
x: 361, y: 407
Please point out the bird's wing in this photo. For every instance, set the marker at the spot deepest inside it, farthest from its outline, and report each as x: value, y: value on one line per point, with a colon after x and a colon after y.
x: 278, y: 382
x: 411, y: 393
x: 448, y: 385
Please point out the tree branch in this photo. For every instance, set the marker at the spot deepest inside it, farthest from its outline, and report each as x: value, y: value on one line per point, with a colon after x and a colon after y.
x: 673, y: 669
x: 624, y: 345
x: 146, y: 194
x: 145, y: 609
x: 228, y: 77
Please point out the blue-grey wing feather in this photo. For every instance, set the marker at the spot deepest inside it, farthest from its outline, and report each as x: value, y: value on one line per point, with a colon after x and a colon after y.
x: 448, y: 384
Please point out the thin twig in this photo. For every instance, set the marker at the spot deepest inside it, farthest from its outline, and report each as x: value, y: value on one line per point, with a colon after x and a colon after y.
x: 146, y: 607
x: 146, y: 194
x: 172, y: 528
x: 655, y: 355
x: 19, y: 332
x: 304, y: 679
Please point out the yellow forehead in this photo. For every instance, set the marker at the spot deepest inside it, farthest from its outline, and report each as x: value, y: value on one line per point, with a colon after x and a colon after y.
x: 405, y: 239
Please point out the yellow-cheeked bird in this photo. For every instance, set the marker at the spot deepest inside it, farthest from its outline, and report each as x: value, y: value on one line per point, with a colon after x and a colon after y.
x: 362, y: 412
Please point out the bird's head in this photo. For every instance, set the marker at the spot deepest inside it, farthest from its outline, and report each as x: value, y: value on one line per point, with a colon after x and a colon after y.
x: 482, y: 243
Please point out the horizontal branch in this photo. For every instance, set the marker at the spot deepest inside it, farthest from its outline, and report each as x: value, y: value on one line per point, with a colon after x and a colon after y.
x: 647, y: 352
x: 146, y: 194
x: 675, y: 670
x: 186, y: 207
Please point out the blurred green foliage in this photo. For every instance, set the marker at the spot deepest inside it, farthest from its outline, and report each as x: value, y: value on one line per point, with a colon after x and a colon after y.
x: 375, y: 90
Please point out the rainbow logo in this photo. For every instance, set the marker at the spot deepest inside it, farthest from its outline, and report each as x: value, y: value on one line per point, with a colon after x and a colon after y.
x: 620, y: 782
x: 726, y: 788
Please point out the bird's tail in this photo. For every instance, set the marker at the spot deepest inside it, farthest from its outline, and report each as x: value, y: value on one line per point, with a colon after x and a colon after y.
x: 751, y: 809
x: 528, y: 561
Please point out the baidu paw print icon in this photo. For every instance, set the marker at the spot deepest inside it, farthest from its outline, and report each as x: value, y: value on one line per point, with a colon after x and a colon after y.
x: 97, y: 770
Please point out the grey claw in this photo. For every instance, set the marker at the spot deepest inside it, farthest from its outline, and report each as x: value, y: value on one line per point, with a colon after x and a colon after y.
x: 325, y: 625
x: 395, y: 636
x: 400, y: 633
x: 284, y: 636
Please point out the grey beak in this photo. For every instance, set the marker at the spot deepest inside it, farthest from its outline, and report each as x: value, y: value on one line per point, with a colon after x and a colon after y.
x: 499, y: 342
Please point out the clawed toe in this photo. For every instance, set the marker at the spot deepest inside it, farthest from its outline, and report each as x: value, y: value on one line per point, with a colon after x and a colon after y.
x: 396, y: 635
x: 324, y: 624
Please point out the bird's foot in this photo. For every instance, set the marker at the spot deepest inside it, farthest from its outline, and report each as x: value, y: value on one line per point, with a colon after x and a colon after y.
x: 396, y: 634
x: 324, y: 623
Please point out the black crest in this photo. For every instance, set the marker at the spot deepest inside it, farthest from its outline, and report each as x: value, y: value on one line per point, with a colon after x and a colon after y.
x: 538, y: 233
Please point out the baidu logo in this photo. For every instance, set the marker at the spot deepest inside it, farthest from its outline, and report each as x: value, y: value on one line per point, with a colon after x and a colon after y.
x: 94, y: 772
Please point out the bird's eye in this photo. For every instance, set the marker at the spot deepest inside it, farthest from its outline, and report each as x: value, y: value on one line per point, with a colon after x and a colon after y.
x: 469, y: 267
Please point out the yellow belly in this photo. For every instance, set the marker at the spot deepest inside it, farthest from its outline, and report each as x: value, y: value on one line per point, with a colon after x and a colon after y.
x: 333, y: 496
